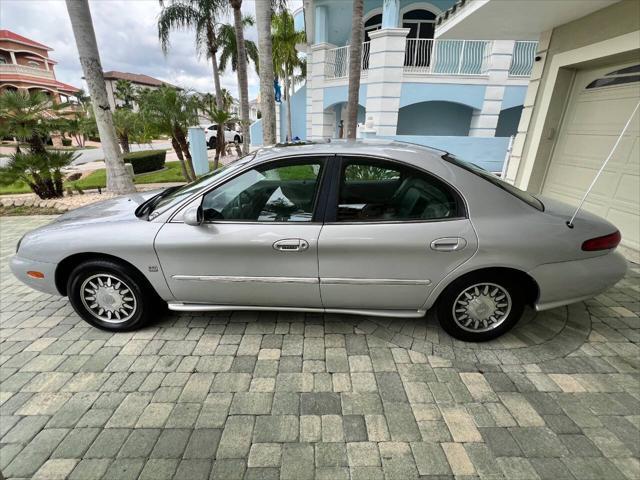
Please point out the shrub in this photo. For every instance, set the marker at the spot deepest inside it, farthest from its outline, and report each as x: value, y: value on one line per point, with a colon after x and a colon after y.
x: 146, y: 160
x: 66, y: 142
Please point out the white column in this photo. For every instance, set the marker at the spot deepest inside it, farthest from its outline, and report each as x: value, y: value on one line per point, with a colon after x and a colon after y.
x: 485, y: 121
x: 278, y: 117
x: 384, y: 79
x: 321, y: 122
x: 13, y: 57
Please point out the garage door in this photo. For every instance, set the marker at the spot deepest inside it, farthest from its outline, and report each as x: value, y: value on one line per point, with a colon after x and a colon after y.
x: 599, y: 106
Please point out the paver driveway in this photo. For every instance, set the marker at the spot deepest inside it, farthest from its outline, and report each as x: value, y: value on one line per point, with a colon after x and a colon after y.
x: 295, y: 396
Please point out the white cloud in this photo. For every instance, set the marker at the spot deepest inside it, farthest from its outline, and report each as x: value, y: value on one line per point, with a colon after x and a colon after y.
x: 127, y: 36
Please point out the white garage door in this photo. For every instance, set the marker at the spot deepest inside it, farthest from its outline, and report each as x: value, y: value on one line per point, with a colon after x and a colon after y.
x: 599, y: 106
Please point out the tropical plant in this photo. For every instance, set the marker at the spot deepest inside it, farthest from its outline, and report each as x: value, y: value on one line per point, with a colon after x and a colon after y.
x: 118, y: 179
x: 285, y: 56
x: 126, y: 92
x: 171, y: 111
x: 202, y: 16
x: 355, y: 67
x: 41, y: 171
x: 130, y: 126
x: 228, y: 46
x: 28, y: 116
x: 220, y: 117
x: 80, y: 124
x: 244, y: 49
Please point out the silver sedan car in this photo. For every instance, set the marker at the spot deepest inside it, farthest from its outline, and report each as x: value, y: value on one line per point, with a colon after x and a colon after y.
x: 369, y: 228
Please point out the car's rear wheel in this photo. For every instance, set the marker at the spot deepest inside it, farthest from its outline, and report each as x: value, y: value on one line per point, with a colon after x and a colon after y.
x: 110, y: 296
x: 480, y: 307
x: 236, y: 139
x: 212, y: 143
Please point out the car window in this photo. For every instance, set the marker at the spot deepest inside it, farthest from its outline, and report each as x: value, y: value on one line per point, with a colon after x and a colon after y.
x: 272, y: 193
x: 498, y: 182
x: 373, y: 190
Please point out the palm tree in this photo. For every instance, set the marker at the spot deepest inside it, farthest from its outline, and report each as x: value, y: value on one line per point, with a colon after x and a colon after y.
x: 228, y: 50
x: 285, y: 57
x: 243, y: 87
x: 172, y: 111
x: 201, y: 15
x: 125, y: 92
x: 118, y: 179
x: 355, y: 67
x: 218, y: 116
x: 264, y: 12
x: 26, y: 115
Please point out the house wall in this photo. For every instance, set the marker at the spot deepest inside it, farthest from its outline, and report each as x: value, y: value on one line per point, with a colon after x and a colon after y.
x: 595, y: 37
x: 434, y: 118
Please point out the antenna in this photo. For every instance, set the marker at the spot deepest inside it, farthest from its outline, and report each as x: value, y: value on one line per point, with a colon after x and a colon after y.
x: 570, y: 222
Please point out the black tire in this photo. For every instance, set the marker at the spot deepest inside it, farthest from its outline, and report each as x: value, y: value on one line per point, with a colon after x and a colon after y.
x: 212, y: 143
x: 236, y: 139
x: 445, y: 306
x: 145, y: 301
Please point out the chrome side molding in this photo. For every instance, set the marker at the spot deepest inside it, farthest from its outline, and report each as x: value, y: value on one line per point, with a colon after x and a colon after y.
x: 201, y: 307
x: 304, y: 280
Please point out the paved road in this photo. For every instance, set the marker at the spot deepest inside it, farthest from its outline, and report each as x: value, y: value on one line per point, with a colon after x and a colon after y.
x: 293, y: 396
x: 93, y: 154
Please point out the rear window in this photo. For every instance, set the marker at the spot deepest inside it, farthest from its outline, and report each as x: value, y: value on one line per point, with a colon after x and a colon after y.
x: 498, y: 182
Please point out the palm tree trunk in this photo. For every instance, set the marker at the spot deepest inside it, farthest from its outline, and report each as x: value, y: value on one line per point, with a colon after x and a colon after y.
x: 118, y: 179
x: 265, y: 54
x: 287, y: 86
x: 178, y: 149
x: 243, y: 87
x: 213, y: 53
x: 355, y: 67
x: 182, y: 141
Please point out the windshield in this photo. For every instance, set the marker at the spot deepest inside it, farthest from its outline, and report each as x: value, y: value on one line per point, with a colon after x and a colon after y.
x: 196, y: 186
x: 498, y: 182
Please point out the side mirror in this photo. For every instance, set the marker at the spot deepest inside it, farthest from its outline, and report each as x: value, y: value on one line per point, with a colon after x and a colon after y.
x: 193, y: 216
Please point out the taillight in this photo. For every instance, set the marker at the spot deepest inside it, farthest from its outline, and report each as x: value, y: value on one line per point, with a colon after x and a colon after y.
x: 602, y: 243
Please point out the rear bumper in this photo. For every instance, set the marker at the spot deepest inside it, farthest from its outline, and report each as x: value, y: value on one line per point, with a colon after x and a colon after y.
x: 568, y: 282
x: 20, y: 266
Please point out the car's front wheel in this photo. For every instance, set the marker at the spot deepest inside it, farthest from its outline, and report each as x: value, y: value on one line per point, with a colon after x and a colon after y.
x: 110, y: 296
x: 236, y: 139
x: 480, y: 307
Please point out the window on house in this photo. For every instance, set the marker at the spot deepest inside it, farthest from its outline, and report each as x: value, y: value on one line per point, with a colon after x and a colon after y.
x: 3, y: 60
x: 33, y: 63
x: 371, y: 25
x: 421, y: 23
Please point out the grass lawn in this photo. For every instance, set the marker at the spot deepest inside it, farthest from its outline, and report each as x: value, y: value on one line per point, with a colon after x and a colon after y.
x: 21, y: 211
x: 96, y: 179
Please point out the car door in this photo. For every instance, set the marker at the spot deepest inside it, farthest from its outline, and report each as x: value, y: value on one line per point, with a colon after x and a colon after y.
x: 392, y: 232
x: 257, y: 245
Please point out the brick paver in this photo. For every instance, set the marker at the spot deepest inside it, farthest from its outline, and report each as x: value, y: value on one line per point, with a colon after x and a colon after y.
x: 293, y: 396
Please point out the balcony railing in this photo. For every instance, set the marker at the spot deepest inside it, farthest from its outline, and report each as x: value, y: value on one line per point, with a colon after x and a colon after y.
x: 337, y: 61
x: 25, y: 70
x: 447, y: 57
x: 524, y: 54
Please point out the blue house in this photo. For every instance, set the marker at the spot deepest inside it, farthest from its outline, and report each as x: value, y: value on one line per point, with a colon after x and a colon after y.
x: 464, y: 96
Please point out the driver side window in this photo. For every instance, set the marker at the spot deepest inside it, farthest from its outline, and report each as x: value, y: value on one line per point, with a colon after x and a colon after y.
x: 282, y: 192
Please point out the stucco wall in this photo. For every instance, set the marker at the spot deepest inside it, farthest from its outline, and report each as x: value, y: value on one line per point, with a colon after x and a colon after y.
x: 434, y: 118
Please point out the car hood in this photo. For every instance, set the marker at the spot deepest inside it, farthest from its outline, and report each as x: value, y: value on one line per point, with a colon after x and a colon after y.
x: 112, y: 210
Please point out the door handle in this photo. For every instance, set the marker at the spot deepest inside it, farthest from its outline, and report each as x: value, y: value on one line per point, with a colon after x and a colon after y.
x: 291, y: 245
x: 448, y: 244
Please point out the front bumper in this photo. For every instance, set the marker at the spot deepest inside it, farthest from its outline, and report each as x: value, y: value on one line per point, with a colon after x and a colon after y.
x: 20, y: 266
x: 569, y: 282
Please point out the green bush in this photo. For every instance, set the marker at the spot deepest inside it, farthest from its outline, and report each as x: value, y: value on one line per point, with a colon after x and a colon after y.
x: 146, y: 160
x: 66, y: 142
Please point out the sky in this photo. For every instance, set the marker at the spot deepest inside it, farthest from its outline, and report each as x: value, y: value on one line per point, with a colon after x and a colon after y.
x: 127, y: 36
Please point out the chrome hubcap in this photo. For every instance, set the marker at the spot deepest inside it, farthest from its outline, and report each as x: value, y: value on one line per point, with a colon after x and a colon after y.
x: 108, y: 298
x: 482, y: 307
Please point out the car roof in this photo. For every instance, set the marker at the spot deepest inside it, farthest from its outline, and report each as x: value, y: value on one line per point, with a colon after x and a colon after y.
x: 367, y: 147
